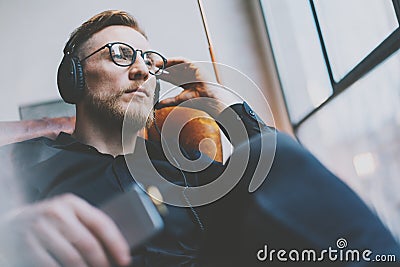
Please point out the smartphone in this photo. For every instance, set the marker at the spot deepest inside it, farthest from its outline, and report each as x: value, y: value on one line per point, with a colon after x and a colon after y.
x: 135, y: 215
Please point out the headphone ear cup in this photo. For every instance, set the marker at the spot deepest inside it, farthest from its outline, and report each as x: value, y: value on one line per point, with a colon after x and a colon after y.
x: 70, y: 79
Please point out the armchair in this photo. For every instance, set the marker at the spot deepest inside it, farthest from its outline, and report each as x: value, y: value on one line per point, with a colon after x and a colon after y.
x: 200, y: 126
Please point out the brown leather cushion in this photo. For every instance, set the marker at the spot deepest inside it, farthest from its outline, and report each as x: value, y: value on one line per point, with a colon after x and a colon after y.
x: 16, y: 131
x: 200, y: 131
x: 199, y: 126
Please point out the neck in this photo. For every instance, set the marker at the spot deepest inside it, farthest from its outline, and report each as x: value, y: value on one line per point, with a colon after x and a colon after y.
x: 103, y: 134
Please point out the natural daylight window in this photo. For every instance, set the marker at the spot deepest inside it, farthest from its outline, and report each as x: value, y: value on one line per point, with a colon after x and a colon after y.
x: 339, y: 62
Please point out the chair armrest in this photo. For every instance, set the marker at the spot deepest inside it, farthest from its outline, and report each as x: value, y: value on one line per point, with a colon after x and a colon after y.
x: 16, y: 131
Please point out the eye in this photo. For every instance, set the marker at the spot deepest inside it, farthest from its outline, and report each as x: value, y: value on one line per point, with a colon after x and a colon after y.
x: 117, y: 56
x: 154, y: 61
x: 126, y: 53
x: 117, y: 53
x: 149, y: 61
x: 122, y: 54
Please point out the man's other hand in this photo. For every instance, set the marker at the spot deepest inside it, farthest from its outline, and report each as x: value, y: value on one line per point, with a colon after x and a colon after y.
x: 62, y: 231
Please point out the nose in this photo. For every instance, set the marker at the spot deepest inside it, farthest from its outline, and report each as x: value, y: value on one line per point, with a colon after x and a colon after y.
x: 138, y: 70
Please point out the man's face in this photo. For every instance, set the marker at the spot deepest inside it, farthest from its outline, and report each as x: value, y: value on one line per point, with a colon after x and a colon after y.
x: 111, y: 88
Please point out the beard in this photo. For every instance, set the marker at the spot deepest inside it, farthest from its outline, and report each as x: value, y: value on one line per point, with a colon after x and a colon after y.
x: 108, y: 108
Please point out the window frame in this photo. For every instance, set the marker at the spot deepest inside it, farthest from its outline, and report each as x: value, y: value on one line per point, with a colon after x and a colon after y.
x: 383, y: 51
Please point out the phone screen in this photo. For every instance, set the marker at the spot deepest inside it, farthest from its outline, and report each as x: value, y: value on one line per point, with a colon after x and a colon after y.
x: 135, y: 215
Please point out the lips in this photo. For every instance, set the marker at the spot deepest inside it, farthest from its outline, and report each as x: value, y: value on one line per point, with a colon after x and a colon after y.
x: 139, y: 90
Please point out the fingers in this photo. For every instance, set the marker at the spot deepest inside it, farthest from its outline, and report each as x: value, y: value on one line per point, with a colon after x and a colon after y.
x: 42, y: 258
x: 58, y: 246
x: 65, y: 236
x: 104, y: 230
x: 179, y: 72
x: 171, y: 101
x: 185, y: 73
x: 175, y: 61
x: 196, y: 83
x: 89, y: 249
x: 33, y: 254
x: 172, y: 62
x: 182, y: 97
x: 66, y: 231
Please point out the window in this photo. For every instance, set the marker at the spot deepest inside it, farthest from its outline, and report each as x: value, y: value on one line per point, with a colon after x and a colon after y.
x: 351, y: 33
x: 339, y: 64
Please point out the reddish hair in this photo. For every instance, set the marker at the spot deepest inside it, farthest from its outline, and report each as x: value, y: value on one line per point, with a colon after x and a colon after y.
x: 97, y: 23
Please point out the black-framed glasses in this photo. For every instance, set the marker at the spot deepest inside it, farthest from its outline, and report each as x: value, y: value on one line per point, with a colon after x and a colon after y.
x: 124, y: 55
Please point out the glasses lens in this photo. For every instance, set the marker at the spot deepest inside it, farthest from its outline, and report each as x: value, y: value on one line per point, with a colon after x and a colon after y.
x: 154, y: 61
x: 122, y: 54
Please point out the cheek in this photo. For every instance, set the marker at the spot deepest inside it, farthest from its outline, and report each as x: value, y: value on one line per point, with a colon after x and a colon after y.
x: 101, y: 80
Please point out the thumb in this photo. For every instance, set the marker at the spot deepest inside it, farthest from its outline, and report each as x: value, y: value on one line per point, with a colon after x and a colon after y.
x: 182, y: 97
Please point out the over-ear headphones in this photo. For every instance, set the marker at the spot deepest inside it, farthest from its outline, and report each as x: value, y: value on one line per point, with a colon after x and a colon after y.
x: 70, y: 79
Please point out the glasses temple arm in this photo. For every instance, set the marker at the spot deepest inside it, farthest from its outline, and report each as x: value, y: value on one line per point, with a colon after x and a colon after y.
x: 101, y: 48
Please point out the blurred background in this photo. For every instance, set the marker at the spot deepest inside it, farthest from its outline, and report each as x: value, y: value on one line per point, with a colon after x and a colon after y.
x: 329, y: 71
